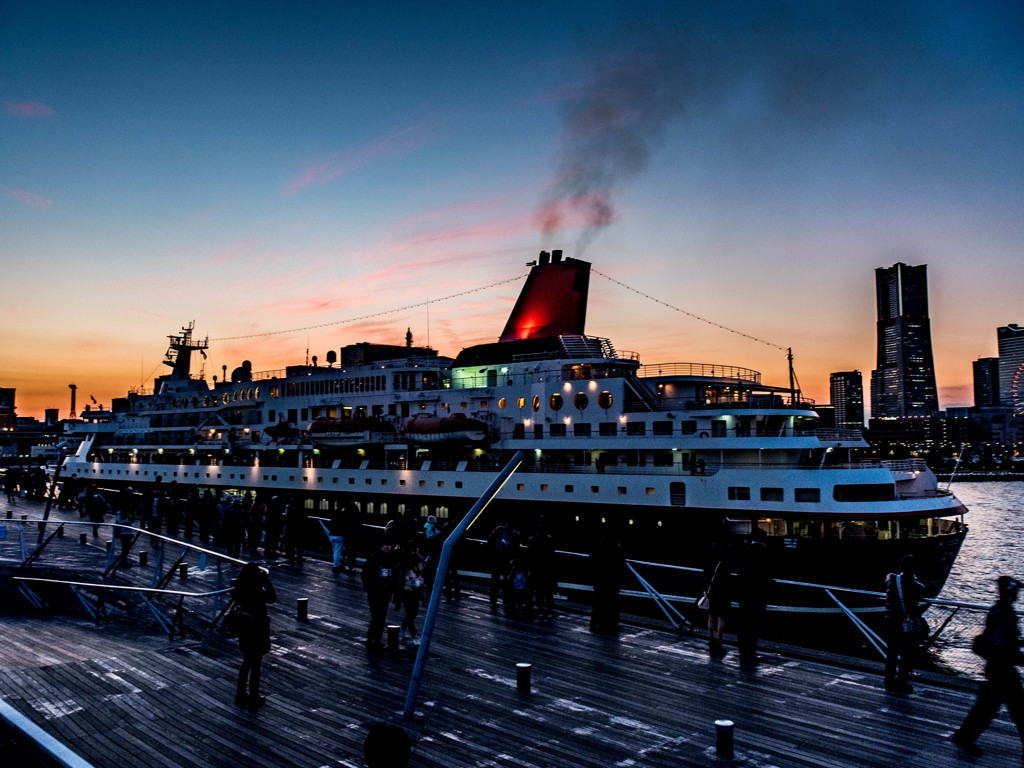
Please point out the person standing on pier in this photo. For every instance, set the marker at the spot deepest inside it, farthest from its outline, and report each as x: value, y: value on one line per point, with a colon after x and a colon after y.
x: 503, y: 541
x: 380, y: 577
x: 252, y: 592
x: 719, y: 593
x: 96, y: 508
x: 903, y: 593
x: 1002, y: 685
x: 753, y: 582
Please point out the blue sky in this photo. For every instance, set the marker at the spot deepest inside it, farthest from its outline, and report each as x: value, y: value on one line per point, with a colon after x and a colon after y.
x: 259, y: 167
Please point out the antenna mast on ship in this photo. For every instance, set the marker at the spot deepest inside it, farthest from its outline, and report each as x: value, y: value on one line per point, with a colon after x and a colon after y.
x: 179, y: 353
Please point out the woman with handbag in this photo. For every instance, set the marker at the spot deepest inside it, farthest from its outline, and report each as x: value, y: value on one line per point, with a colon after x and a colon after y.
x: 252, y: 592
x: 903, y: 593
x: 717, y: 599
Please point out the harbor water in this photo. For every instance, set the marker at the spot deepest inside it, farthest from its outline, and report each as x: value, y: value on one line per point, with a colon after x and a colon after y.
x: 994, y: 544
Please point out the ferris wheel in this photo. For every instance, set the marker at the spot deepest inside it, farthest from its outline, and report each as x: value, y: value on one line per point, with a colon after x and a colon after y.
x: 1017, y: 390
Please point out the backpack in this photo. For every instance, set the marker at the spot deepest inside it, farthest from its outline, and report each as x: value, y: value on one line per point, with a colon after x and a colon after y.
x: 519, y: 582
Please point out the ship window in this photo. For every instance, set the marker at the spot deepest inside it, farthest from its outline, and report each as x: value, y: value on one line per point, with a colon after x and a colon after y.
x: 538, y: 431
x: 225, y: 398
x: 650, y: 491
x: 568, y: 489
x: 442, y: 513
x: 581, y: 401
x: 622, y: 490
x: 811, y: 495
x: 273, y: 390
x: 369, y: 507
x: 662, y: 427
x: 520, y: 401
x: 771, y: 494
x: 308, y: 504
x: 544, y: 487
x: 739, y: 493
x: 677, y: 494
x: 636, y: 428
x: 558, y: 430
x: 581, y: 430
x: 383, y: 507
x: 688, y: 427
x: 440, y: 483
x: 520, y: 486
x: 555, y: 402
x: 608, y: 429
x: 595, y: 489
x: 605, y: 399
x: 865, y: 492
x: 536, y: 403
x: 718, y: 427
x: 238, y: 395
x: 325, y: 504
x: 502, y: 403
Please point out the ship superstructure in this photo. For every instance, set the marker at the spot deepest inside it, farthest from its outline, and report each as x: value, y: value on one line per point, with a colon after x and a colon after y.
x: 671, y: 456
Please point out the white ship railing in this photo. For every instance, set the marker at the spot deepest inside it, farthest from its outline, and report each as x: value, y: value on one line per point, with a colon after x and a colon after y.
x: 704, y: 370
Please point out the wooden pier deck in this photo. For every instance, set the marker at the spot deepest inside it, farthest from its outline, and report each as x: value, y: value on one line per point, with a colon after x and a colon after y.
x: 121, y: 694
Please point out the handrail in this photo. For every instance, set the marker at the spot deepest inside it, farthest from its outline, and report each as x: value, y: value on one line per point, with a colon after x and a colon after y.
x: 59, y: 754
x: 123, y: 587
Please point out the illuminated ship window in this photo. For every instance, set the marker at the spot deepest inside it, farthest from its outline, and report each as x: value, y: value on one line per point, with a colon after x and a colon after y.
x: 581, y: 400
x: 325, y: 504
x: 206, y: 401
x: 308, y: 504
x: 649, y: 491
x: 401, y: 509
x: 424, y: 510
x: 544, y: 487
x: 502, y: 403
x: 369, y: 507
x: 520, y: 401
x: 595, y: 489
x: 555, y: 402
x: 536, y: 403
x: 441, y: 513
x: 483, y: 404
x: 273, y: 390
x: 383, y: 507
x: 520, y: 486
x: 226, y: 398
x: 605, y: 399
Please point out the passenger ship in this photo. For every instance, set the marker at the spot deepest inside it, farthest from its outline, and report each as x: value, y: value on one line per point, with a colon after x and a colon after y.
x: 670, y: 458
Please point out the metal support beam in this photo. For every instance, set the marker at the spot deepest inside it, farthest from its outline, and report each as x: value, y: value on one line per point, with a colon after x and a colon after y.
x: 442, y: 570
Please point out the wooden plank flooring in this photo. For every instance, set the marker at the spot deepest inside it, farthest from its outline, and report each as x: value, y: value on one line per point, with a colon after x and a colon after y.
x: 122, y: 694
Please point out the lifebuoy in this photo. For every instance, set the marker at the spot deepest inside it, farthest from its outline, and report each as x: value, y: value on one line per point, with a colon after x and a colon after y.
x: 704, y: 434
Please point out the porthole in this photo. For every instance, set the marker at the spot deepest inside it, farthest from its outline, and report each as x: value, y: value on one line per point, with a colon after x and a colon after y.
x: 581, y: 400
x: 605, y: 399
x: 536, y: 403
x: 226, y: 398
x: 520, y: 401
x: 555, y: 402
x: 502, y: 403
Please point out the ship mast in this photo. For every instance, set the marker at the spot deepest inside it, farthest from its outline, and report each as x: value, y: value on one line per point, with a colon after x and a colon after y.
x: 179, y: 353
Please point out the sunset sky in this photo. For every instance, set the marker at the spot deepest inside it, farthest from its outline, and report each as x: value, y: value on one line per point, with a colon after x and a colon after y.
x: 301, y: 169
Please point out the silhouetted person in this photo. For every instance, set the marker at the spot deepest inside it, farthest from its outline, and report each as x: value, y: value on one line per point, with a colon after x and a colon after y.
x: 1002, y: 684
x: 541, y: 558
x: 720, y: 589
x: 252, y: 592
x: 903, y: 593
x: 753, y: 582
x: 380, y: 579
x: 501, y: 544
x: 386, y: 746
x: 606, y: 565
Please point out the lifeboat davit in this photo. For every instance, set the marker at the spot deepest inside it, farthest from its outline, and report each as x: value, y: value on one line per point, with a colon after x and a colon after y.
x: 425, y: 428
x: 361, y: 430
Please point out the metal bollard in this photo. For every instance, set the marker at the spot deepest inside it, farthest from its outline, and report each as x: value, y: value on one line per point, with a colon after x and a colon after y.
x: 724, y: 740
x: 183, y: 570
x: 83, y: 538
x: 523, y: 677
x: 302, y: 608
x: 393, y: 637
x: 143, y: 558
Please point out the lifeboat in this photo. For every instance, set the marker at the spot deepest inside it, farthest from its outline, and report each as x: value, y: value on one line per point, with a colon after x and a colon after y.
x: 425, y: 428
x: 281, y: 431
x: 335, y: 433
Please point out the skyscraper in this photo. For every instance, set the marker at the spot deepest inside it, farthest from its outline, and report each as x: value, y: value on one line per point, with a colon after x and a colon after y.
x: 986, y: 382
x: 846, y: 390
x: 903, y: 383
x: 1011, y: 360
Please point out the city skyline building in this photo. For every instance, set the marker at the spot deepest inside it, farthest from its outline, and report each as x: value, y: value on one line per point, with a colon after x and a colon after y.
x: 903, y: 381
x: 1011, y: 366
x: 846, y: 391
x: 986, y: 382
